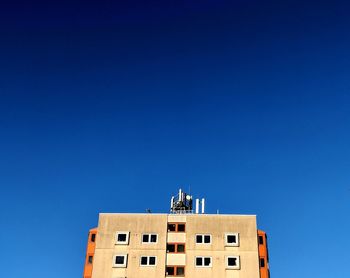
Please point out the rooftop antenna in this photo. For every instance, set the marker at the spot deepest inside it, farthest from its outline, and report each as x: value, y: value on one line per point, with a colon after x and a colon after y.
x: 181, y: 203
x: 203, y: 205
x: 200, y: 206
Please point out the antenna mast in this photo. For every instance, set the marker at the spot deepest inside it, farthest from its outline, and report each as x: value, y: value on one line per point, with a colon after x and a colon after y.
x: 183, y: 203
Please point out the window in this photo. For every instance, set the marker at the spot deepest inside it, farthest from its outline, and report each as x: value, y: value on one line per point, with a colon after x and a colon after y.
x: 122, y: 238
x: 232, y: 262
x: 171, y: 248
x: 175, y: 248
x: 176, y: 227
x: 180, y: 271
x: 262, y: 262
x: 120, y: 260
x: 232, y: 239
x: 203, y: 261
x: 206, y: 239
x: 93, y: 237
x: 180, y: 248
x: 90, y: 258
x: 149, y: 238
x: 171, y: 227
x: 170, y: 271
x: 261, y: 240
x: 180, y: 227
x: 175, y: 271
x: 148, y: 261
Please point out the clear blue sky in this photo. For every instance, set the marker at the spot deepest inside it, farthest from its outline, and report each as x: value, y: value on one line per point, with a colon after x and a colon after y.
x: 112, y: 107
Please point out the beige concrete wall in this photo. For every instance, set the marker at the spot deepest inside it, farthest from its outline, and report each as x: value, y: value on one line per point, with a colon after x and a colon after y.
x: 138, y: 224
x: 176, y: 218
x: 176, y: 237
x: 176, y: 259
x: 218, y: 226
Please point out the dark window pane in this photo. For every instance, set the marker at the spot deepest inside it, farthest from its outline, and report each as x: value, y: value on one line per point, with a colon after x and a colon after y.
x: 261, y: 240
x: 207, y: 239
x: 119, y: 259
x: 143, y: 260
x: 145, y: 238
x: 232, y: 261
x: 207, y: 261
x: 171, y: 227
x: 180, y: 271
x: 181, y: 227
x: 231, y: 239
x: 180, y: 248
x: 170, y: 270
x: 121, y: 237
x: 199, y: 261
x: 90, y: 259
x: 262, y: 262
x: 152, y: 260
x: 199, y: 239
x: 153, y: 238
x: 170, y: 248
x: 93, y: 237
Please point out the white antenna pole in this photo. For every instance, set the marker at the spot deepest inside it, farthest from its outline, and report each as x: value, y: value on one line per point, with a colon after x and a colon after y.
x: 203, y: 205
x: 172, y: 203
x: 197, y: 206
x: 180, y: 195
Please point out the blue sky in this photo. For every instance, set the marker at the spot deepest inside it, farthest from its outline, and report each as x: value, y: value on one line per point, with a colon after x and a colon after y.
x: 113, y: 107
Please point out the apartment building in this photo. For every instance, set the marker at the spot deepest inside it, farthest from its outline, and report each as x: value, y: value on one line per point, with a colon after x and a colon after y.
x: 179, y: 244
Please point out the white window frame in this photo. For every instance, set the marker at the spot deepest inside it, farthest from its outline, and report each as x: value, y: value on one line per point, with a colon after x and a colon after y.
x: 235, y: 244
x: 238, y: 266
x: 126, y: 242
x: 203, y: 235
x: 120, y: 265
x: 148, y: 258
x: 149, y: 238
x: 203, y: 258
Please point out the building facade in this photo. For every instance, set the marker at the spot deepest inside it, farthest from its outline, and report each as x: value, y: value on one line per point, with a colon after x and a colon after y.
x: 189, y: 245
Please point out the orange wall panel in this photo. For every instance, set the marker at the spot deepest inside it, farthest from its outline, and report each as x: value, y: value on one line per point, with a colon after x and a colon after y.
x: 90, y: 251
x: 263, y: 255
